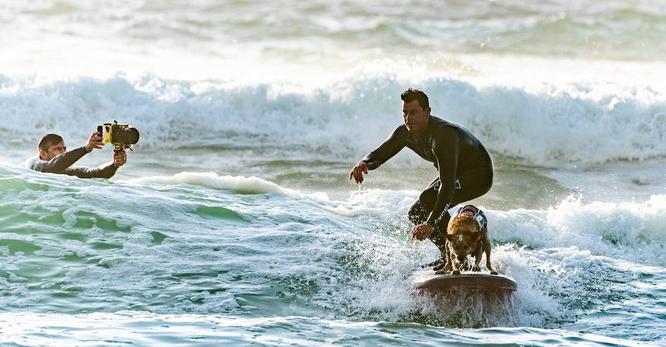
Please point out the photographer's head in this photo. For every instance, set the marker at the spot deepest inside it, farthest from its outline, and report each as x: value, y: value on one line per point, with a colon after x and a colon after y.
x: 50, y: 146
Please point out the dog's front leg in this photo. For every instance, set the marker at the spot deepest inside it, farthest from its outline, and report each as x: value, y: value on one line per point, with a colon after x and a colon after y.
x: 455, y: 271
x: 485, y: 242
x: 478, y: 253
x: 456, y: 266
x: 453, y: 260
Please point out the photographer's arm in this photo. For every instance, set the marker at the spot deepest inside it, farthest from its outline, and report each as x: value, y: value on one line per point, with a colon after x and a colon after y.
x: 60, y: 163
x: 106, y: 171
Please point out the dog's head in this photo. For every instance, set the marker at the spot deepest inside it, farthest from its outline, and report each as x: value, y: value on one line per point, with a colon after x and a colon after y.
x: 464, y: 236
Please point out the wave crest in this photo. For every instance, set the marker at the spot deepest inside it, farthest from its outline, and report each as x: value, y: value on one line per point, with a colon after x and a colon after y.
x: 546, y: 126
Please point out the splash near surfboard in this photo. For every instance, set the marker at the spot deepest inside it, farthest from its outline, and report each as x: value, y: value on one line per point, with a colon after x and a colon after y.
x: 468, y: 299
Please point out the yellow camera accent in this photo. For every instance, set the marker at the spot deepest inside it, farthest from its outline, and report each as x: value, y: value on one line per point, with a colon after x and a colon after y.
x: 107, y: 133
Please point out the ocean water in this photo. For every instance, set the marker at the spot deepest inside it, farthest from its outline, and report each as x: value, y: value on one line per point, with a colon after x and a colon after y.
x: 234, y: 221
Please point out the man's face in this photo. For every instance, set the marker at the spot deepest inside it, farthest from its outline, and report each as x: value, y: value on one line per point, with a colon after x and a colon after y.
x: 415, y: 117
x: 53, y: 151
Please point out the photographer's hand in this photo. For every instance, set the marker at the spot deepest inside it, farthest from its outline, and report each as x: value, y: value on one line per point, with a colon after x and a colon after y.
x: 119, y: 157
x: 95, y: 141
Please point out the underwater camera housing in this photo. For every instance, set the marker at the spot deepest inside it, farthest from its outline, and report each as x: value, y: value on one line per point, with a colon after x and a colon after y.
x: 121, y: 136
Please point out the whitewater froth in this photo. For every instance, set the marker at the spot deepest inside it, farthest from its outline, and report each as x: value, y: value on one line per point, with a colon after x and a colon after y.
x: 570, y: 124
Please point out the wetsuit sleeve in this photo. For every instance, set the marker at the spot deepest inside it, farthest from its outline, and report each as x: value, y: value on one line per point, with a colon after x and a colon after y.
x: 106, y: 171
x: 386, y: 150
x: 61, y: 162
x: 446, y: 148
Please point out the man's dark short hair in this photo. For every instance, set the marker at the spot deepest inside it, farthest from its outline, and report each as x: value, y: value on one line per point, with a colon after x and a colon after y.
x: 410, y: 95
x: 49, y: 140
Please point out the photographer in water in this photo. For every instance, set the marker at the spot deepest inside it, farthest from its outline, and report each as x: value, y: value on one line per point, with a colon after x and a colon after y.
x: 54, y: 158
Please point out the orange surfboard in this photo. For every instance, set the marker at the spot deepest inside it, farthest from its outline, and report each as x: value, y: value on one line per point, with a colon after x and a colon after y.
x: 425, y: 282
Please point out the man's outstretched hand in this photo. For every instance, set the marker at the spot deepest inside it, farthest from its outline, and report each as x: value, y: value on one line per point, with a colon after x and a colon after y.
x: 358, y: 171
x: 95, y: 141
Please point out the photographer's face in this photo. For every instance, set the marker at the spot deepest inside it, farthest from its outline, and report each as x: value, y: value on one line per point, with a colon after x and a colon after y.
x: 53, y: 151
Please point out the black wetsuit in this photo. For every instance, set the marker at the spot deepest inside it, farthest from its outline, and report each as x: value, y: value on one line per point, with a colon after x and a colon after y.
x: 464, y: 165
x: 62, y: 163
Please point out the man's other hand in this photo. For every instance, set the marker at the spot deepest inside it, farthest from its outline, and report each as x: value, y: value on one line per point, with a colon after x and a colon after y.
x: 358, y: 171
x: 95, y: 141
x: 119, y: 157
x: 422, y: 231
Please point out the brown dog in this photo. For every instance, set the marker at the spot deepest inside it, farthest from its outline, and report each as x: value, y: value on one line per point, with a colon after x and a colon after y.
x: 467, y: 234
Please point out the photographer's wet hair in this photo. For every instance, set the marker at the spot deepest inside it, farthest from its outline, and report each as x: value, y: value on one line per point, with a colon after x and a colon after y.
x: 49, y: 140
x: 410, y: 95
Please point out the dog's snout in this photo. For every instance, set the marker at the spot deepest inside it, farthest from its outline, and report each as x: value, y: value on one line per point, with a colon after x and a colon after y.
x: 461, y: 258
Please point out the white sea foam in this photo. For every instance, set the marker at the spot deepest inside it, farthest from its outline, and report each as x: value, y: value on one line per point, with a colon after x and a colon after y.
x: 632, y: 230
x: 246, y: 185
x: 584, y: 123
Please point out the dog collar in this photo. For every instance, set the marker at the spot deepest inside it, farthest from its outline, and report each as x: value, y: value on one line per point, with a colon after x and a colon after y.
x: 479, y: 216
